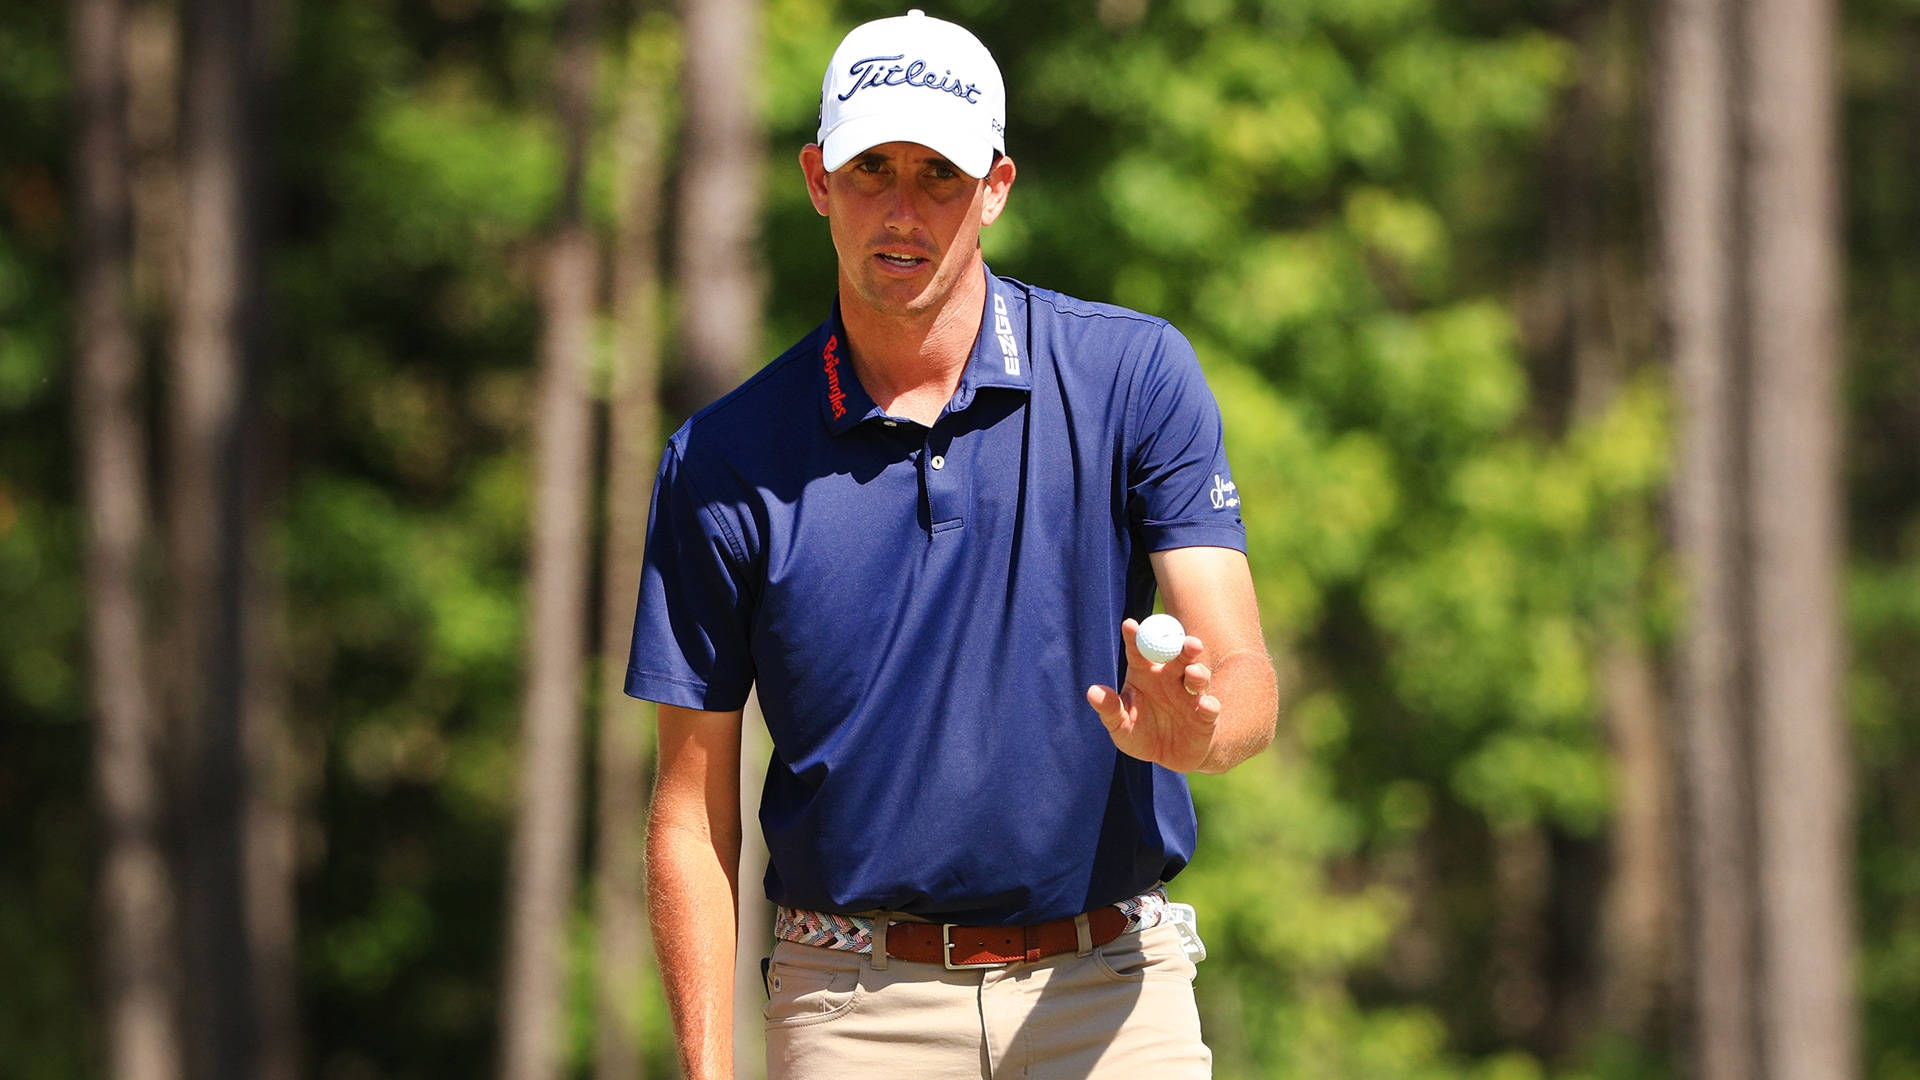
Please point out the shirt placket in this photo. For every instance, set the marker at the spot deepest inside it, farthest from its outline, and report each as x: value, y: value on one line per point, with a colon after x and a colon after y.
x: 942, y: 480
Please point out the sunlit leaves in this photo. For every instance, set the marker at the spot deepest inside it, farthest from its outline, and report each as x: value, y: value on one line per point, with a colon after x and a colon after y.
x: 1279, y: 284
x: 1468, y: 89
x: 1285, y: 914
x: 1167, y: 210
x: 1451, y: 373
x: 1404, y: 232
x: 1314, y: 501
x: 1520, y: 779
x: 470, y: 172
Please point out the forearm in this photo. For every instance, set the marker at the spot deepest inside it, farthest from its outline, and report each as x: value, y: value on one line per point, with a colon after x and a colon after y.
x: 692, y: 894
x: 1249, y: 697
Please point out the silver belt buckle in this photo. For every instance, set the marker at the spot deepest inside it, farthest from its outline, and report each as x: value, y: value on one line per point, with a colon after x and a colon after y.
x: 946, y: 952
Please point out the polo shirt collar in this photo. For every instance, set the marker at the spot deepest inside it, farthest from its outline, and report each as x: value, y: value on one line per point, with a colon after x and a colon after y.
x: 1000, y: 355
x: 999, y: 358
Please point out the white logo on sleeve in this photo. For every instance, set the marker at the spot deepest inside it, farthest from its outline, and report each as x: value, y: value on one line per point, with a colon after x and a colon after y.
x: 1003, y: 329
x: 1224, y: 494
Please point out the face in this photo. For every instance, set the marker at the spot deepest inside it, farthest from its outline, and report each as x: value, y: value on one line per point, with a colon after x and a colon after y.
x: 905, y: 222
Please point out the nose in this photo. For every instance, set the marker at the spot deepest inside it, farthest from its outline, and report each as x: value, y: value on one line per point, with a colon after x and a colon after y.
x: 902, y: 215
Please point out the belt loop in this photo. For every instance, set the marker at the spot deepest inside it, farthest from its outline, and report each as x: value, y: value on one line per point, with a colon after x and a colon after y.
x: 880, y: 942
x: 1083, y: 934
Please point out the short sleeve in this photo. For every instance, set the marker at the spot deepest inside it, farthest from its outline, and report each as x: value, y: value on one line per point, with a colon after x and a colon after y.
x: 1180, y: 490
x: 690, y: 626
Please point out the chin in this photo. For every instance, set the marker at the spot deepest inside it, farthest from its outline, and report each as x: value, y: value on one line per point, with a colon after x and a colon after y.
x: 892, y: 299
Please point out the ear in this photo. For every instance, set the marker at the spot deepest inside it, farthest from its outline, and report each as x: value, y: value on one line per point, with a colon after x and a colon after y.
x: 814, y: 167
x: 999, y: 186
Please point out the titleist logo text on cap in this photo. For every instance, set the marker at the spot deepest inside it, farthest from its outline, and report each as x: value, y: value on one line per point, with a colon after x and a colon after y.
x: 867, y: 73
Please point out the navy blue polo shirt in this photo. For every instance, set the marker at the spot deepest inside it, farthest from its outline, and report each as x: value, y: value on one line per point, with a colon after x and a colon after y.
x: 923, y: 608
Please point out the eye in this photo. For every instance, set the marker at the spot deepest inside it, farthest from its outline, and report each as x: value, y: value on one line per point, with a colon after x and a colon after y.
x: 940, y: 170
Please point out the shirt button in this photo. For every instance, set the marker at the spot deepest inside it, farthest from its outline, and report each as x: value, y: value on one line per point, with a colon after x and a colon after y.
x: 938, y: 462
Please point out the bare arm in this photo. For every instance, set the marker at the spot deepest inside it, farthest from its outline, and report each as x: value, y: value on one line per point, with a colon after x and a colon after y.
x: 1216, y: 704
x: 693, y: 859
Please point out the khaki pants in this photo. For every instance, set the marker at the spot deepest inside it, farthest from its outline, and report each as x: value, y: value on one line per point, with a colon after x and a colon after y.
x: 1125, y: 1010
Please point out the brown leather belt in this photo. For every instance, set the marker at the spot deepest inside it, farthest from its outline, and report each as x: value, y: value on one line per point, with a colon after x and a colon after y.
x: 991, y: 946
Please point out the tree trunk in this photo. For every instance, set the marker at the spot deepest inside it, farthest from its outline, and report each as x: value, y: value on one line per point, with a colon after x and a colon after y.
x: 1694, y: 149
x: 136, y: 958
x: 1522, y: 880
x: 1787, y: 110
x: 1752, y: 257
x: 546, y: 832
x: 633, y: 436
x: 1637, y: 929
x: 273, y: 798
x: 720, y: 290
x: 153, y: 120
x: 212, y: 529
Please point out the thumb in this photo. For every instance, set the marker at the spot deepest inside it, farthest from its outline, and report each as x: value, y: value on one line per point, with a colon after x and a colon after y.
x: 1106, y: 701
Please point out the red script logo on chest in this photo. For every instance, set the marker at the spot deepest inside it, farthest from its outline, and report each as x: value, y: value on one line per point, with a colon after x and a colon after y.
x: 830, y: 360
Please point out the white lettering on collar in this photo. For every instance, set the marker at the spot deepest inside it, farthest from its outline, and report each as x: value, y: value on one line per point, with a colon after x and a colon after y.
x: 1003, y: 329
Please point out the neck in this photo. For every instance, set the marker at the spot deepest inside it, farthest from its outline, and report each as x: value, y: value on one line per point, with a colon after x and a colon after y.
x: 910, y: 364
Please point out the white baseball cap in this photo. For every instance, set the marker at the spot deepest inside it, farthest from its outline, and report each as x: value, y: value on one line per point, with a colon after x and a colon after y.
x: 915, y: 79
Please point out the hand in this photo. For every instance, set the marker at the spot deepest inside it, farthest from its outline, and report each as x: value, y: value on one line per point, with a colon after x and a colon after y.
x: 1164, y: 713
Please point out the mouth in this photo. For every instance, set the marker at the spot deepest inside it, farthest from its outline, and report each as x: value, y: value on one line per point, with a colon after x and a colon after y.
x: 900, y: 263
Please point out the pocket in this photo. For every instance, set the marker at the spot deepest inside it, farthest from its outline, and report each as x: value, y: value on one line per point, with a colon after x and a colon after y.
x: 799, y: 993
x: 1153, y: 953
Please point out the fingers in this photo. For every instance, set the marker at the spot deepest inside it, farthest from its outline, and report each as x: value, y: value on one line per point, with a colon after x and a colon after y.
x: 1196, y: 678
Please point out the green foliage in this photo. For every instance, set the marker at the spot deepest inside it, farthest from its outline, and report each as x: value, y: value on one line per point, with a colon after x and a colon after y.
x: 45, y: 827
x: 474, y: 173
x: 1883, y: 590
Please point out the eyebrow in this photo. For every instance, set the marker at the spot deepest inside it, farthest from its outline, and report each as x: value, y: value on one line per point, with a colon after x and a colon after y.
x: 888, y: 159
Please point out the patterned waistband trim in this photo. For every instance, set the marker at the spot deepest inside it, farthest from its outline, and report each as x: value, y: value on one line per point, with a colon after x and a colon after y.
x: 854, y: 933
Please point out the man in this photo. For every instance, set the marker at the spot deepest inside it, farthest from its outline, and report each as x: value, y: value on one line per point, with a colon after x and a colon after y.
x: 925, y: 533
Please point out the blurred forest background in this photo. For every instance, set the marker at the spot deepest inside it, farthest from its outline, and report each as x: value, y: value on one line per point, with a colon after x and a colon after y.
x: 337, y: 339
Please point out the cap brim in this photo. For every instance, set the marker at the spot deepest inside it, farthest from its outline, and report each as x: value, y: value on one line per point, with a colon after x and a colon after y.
x: 858, y: 134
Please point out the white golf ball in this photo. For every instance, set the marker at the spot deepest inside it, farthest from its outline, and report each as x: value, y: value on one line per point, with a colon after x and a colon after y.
x: 1161, y: 638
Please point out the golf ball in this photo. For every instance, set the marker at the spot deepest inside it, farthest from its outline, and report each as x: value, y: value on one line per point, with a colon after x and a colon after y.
x: 1161, y: 637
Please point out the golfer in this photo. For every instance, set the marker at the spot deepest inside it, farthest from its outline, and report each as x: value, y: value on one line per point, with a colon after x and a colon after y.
x: 925, y: 534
